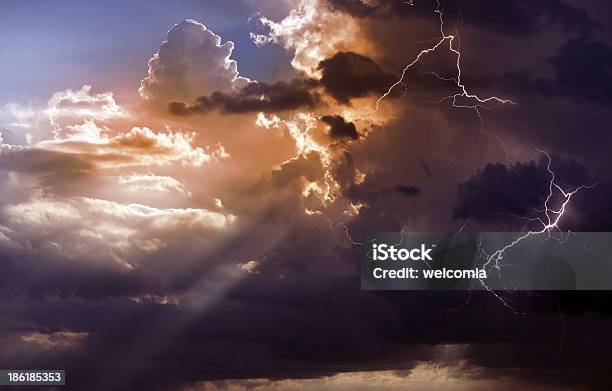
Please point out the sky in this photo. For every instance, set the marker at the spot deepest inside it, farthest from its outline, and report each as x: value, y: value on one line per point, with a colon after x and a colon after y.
x: 186, y: 189
x: 71, y: 43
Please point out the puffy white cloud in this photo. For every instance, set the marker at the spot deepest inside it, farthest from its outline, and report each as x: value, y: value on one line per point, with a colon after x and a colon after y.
x: 67, y: 114
x: 274, y: 9
x: 313, y: 31
x: 87, y: 145
x: 79, y: 130
x: 72, y: 113
x: 299, y: 127
x: 192, y: 62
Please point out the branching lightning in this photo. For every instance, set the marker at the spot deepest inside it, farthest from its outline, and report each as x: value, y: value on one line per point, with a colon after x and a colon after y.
x: 552, y: 216
x: 464, y: 93
x: 551, y: 219
x: 549, y: 223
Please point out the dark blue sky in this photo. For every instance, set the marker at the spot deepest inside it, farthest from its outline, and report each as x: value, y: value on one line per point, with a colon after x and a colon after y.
x: 53, y: 45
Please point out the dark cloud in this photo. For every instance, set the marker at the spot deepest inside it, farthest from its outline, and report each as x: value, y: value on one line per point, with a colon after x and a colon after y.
x: 520, y: 18
x: 387, y: 204
x: 348, y: 75
x: 256, y: 96
x: 343, y: 167
x: 561, y: 116
x: 408, y: 190
x: 42, y: 275
x: 356, y: 7
x: 339, y: 128
x: 305, y: 277
x: 499, y: 194
x: 581, y: 70
x: 141, y: 343
x: 584, y: 69
x: 497, y: 191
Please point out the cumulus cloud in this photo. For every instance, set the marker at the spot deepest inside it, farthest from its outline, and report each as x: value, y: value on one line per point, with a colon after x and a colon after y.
x: 191, y: 62
x: 83, y: 140
x: 313, y: 31
x: 72, y: 113
x: 67, y: 114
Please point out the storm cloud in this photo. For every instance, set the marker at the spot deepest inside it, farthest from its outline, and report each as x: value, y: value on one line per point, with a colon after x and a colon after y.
x: 348, y: 75
x: 209, y: 236
x: 255, y: 97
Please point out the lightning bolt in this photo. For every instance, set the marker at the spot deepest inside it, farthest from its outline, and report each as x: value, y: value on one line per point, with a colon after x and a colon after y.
x: 552, y: 216
x: 550, y: 222
x: 464, y: 93
x: 347, y: 231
